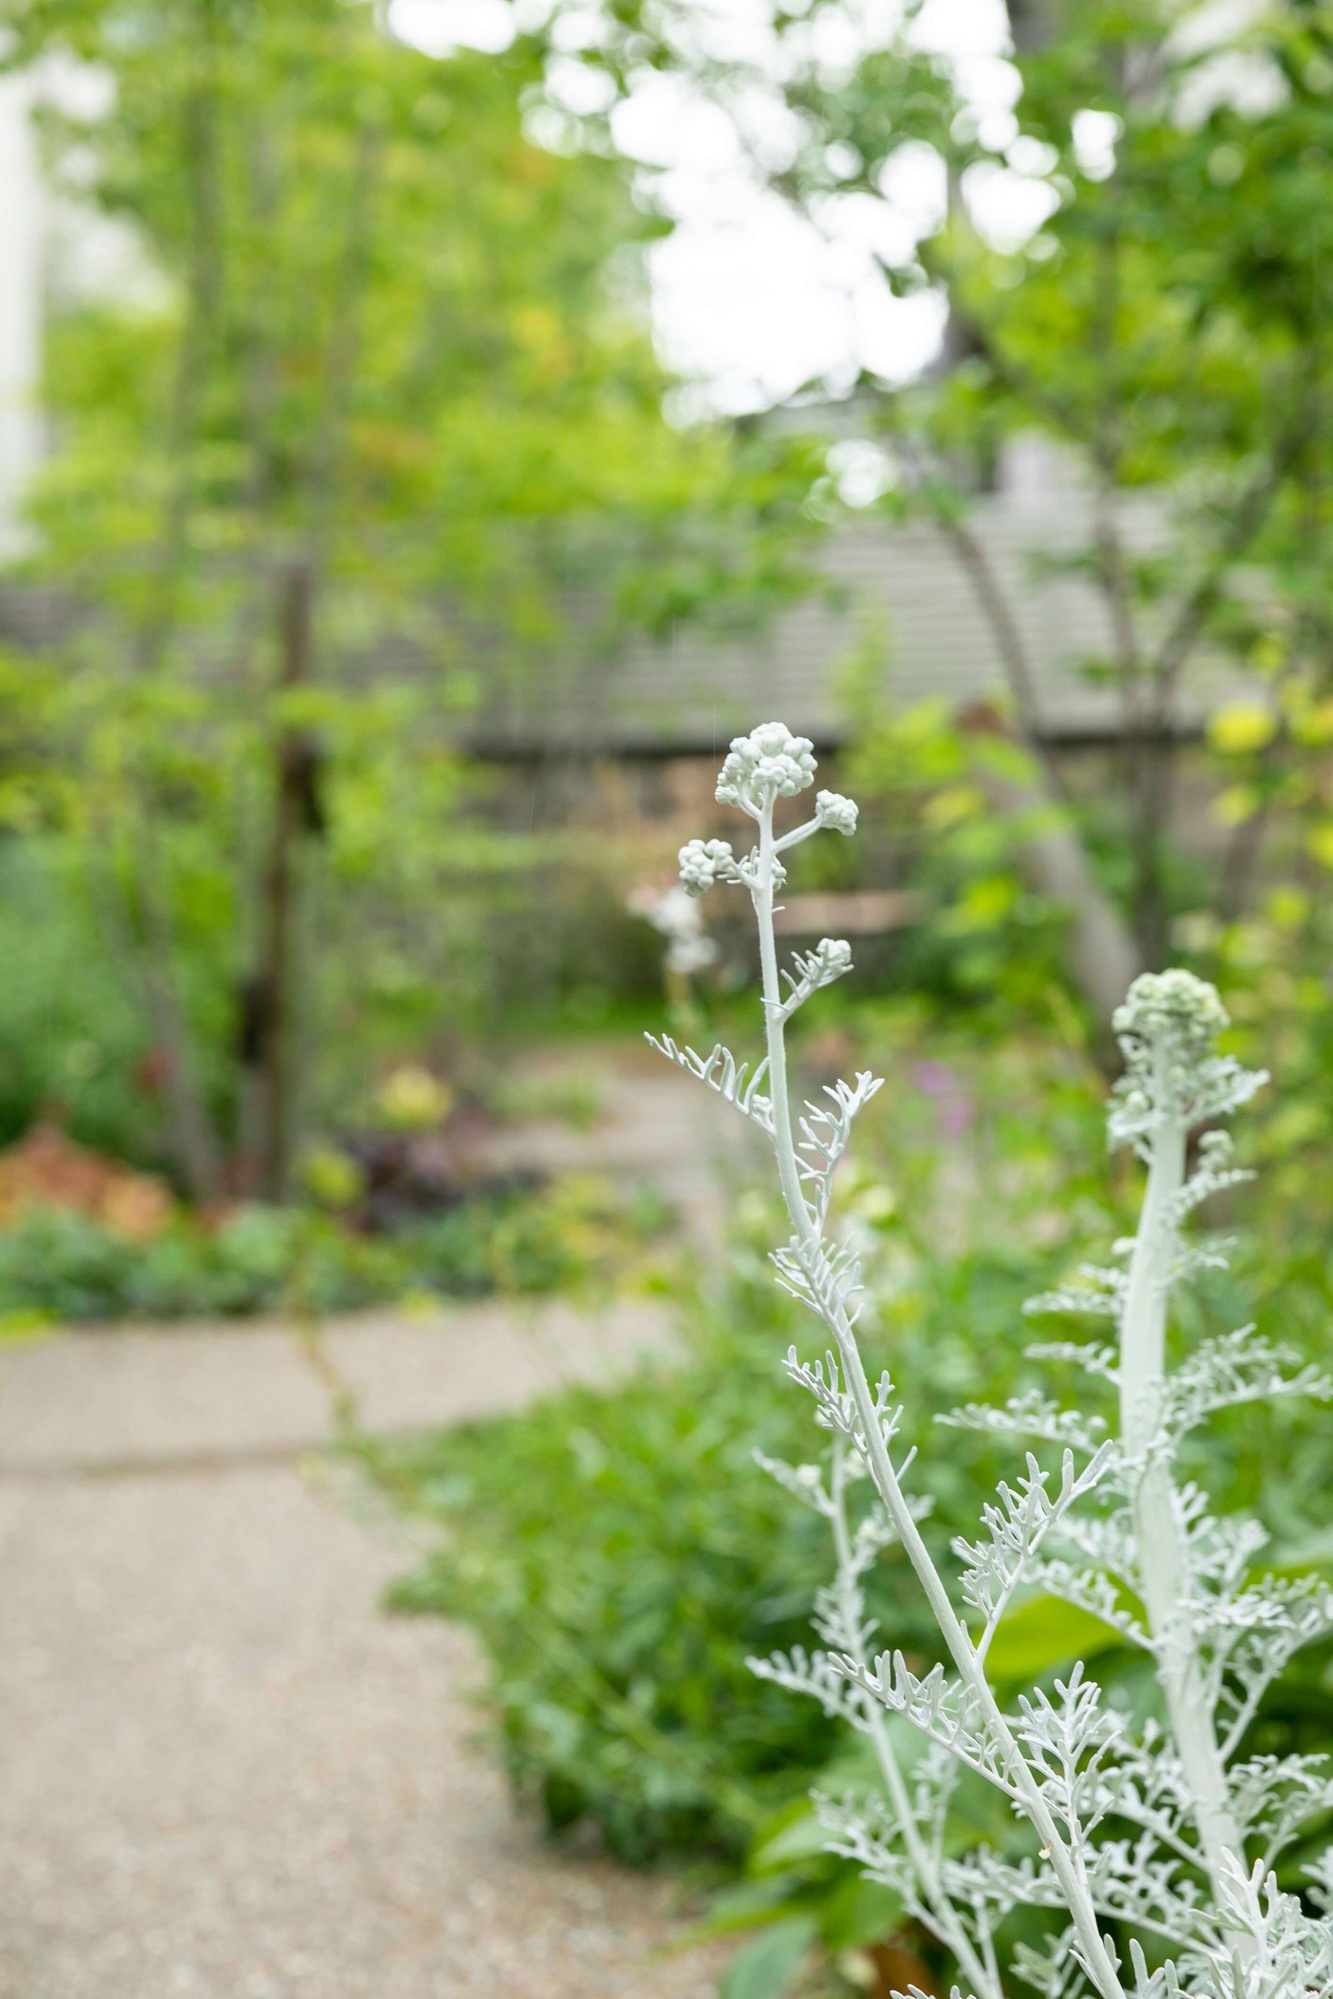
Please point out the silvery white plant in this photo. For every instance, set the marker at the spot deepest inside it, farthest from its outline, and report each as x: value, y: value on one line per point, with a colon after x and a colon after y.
x: 1167, y: 1830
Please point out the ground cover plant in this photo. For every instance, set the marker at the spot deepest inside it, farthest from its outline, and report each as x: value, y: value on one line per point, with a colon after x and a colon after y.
x: 621, y: 1555
x: 59, y: 1266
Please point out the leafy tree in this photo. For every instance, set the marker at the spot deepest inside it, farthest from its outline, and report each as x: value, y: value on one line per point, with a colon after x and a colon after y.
x: 366, y: 434
x: 1165, y: 326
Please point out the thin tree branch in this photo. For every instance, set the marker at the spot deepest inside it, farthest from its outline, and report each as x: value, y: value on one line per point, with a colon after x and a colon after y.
x: 1250, y: 514
x: 1103, y: 956
x: 344, y: 344
x: 1009, y: 642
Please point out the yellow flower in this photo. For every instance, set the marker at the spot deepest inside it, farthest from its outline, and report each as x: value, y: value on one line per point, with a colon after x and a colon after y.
x: 1288, y: 908
x: 1240, y: 727
x: 332, y: 1177
x: 412, y: 1098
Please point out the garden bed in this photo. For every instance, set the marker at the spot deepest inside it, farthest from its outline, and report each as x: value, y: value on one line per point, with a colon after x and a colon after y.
x: 59, y: 1266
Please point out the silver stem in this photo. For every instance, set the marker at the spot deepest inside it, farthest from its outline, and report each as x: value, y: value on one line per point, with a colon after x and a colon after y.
x: 1065, y: 1864
x: 940, y: 1911
x: 1163, y: 1554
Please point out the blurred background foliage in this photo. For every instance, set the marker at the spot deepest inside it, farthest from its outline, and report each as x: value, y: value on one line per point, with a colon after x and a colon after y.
x: 370, y: 411
x: 371, y: 427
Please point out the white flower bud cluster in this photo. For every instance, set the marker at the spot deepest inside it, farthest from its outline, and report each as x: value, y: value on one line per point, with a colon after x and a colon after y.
x: 703, y: 862
x: 832, y: 956
x: 1172, y: 1007
x: 836, y: 812
x: 768, y: 763
x: 1167, y: 1029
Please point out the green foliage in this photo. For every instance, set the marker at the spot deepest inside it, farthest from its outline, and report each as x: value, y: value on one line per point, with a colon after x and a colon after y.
x: 766, y: 1967
x: 72, y: 1038
x: 362, y: 239
x: 790, y: 1878
x: 1134, y: 329
x: 981, y: 935
x: 65, y: 1268
x: 621, y: 1555
x: 367, y: 325
x: 1163, y: 327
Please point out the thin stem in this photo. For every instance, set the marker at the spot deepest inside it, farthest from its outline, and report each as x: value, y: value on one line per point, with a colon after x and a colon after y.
x: 938, y: 1910
x: 1065, y: 1865
x: 988, y: 1946
x: 140, y: 936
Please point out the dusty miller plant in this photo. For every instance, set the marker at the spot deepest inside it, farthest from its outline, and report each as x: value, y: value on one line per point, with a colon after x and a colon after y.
x: 1152, y: 1844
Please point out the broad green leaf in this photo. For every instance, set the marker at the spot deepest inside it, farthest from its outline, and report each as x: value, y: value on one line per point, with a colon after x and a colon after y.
x: 861, y: 1912
x: 1043, y: 1633
x: 765, y: 1968
x: 798, y: 1837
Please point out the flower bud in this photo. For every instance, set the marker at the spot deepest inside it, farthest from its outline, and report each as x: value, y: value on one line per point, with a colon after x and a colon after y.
x: 702, y: 862
x: 768, y: 763
x: 835, y: 811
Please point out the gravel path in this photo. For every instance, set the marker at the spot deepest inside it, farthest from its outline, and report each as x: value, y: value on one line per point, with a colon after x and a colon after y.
x: 223, y: 1771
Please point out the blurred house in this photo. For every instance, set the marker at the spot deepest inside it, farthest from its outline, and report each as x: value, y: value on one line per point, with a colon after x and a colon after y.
x: 905, y: 593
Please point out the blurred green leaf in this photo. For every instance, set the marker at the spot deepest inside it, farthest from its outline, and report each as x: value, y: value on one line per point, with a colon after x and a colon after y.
x: 1043, y: 1633
x: 766, y: 1967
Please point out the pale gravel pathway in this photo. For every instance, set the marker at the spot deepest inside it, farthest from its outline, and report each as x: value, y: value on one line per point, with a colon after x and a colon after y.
x: 223, y: 1771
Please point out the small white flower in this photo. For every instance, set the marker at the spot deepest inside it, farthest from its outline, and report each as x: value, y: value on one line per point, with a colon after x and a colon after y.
x: 703, y: 862
x: 835, y: 811
x: 676, y: 913
x: 768, y: 763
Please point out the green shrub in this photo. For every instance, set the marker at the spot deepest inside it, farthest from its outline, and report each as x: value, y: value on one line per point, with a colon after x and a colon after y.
x: 622, y: 1555
x: 71, y: 1037
x: 63, y: 1267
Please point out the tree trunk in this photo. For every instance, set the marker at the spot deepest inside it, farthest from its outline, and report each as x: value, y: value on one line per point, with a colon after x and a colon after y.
x: 1103, y: 956
x: 266, y: 1033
